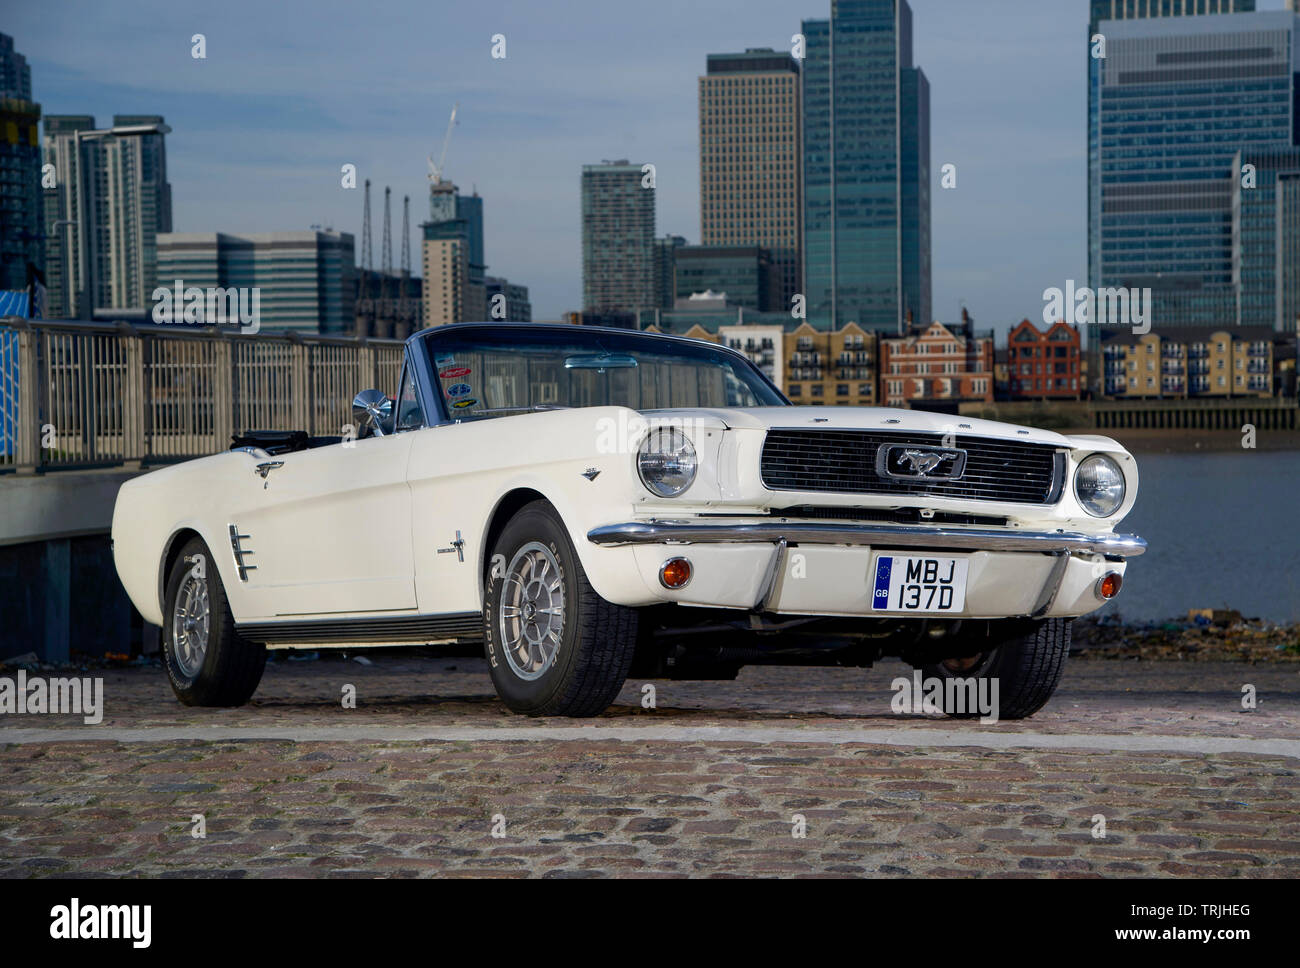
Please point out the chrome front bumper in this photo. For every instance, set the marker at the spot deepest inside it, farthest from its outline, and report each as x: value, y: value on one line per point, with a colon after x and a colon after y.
x: 882, y: 535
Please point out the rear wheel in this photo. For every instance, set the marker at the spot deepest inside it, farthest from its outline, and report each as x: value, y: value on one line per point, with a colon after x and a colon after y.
x: 207, y: 663
x: 554, y: 647
x: 1026, y: 661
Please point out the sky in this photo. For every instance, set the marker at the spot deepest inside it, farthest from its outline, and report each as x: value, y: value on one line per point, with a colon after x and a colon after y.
x: 291, y: 91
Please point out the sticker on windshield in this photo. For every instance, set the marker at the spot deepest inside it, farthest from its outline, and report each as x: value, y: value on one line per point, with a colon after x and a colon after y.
x: 454, y: 372
x: 459, y: 390
x: 444, y: 360
x: 462, y: 404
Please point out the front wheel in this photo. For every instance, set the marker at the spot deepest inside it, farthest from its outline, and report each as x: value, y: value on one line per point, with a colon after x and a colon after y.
x: 207, y: 663
x: 554, y: 647
x: 1024, y: 663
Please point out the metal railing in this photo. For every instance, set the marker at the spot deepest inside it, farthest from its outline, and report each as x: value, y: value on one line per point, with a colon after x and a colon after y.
x: 76, y: 394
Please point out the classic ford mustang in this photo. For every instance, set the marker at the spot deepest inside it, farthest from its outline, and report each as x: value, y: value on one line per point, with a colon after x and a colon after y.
x: 592, y: 504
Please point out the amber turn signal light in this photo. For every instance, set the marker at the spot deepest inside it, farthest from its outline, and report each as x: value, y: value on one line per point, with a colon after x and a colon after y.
x: 675, y: 573
x: 1110, y: 585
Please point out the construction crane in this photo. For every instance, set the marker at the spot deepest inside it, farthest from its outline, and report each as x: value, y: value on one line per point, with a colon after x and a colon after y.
x: 435, y: 170
x: 386, y: 268
x: 365, y: 307
x: 406, y: 241
x: 404, y: 284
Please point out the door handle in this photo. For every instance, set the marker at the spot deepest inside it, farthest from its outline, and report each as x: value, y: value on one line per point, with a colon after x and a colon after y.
x: 266, y: 467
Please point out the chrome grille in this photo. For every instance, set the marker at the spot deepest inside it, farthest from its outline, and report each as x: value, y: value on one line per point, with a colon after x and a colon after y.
x: 844, y: 462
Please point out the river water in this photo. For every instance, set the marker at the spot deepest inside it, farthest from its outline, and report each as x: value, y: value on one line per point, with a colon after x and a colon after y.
x: 1223, y: 531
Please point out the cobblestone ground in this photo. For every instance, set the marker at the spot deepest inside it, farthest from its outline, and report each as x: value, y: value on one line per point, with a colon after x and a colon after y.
x: 335, y: 802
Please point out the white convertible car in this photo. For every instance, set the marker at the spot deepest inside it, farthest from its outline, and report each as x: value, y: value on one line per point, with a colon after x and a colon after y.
x: 592, y: 504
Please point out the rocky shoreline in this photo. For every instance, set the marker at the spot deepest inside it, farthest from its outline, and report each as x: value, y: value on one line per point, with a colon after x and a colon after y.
x: 1217, y: 637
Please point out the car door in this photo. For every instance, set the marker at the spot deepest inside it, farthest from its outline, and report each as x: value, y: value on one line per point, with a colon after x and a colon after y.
x: 326, y: 530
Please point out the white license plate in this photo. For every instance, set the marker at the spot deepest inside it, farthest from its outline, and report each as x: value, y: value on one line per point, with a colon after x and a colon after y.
x: 908, y: 583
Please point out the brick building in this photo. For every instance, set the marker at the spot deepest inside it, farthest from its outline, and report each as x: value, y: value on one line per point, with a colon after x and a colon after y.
x: 937, y: 365
x: 1044, y: 364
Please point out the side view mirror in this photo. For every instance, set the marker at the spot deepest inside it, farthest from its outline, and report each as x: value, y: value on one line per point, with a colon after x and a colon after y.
x: 372, y: 410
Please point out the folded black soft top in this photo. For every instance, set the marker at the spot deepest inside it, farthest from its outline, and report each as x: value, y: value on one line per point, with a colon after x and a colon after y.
x: 280, y: 441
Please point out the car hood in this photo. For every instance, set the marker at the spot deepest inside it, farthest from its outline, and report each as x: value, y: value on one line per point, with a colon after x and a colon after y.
x: 863, y: 418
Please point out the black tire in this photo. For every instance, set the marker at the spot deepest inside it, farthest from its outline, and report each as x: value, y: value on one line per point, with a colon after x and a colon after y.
x: 596, y: 640
x: 229, y: 669
x: 1027, y: 662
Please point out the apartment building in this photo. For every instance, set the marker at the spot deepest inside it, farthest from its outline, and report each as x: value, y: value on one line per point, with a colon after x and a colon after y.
x: 830, y: 367
x: 1188, y: 362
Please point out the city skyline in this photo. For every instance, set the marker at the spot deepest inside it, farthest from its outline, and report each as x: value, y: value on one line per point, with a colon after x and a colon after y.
x: 244, y: 160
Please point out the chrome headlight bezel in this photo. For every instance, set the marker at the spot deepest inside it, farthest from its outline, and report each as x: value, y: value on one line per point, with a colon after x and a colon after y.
x: 1117, y: 487
x: 667, y: 453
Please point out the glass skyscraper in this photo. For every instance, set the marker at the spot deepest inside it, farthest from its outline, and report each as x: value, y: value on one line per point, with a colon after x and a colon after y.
x: 1176, y: 99
x: 1266, y: 237
x: 21, y: 205
x: 866, y: 123
x: 1098, y: 11
x: 914, y: 153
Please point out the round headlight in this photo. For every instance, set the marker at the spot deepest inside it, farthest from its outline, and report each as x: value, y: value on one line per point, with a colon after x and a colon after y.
x: 1099, y: 485
x: 666, y: 462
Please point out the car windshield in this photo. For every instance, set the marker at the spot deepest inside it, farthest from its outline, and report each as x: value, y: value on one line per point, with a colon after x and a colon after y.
x: 490, y: 372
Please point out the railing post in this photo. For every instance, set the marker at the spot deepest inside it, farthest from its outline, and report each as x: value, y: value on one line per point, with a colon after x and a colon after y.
x: 223, y: 397
x: 27, y: 428
x: 133, y: 398
x: 300, y: 380
x: 367, y: 374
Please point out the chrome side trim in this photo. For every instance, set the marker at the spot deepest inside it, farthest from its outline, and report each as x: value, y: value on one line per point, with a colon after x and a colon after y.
x: 882, y: 535
x: 376, y: 629
x: 240, y: 552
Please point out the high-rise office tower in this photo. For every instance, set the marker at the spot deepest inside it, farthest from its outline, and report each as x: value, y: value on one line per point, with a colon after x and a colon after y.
x: 865, y: 161
x: 453, y: 257
x: 21, y: 226
x: 110, y: 201
x: 914, y: 193
x: 618, y: 238
x: 749, y: 157
x: 1176, y: 99
x: 1099, y: 10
